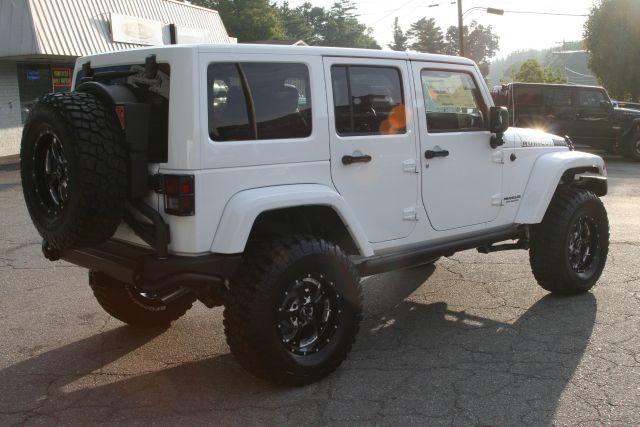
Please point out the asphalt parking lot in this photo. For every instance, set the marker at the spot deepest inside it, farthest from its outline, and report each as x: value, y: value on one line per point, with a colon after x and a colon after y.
x: 472, y: 340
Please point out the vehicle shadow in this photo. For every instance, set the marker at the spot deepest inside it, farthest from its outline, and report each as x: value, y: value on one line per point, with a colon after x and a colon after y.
x: 423, y: 360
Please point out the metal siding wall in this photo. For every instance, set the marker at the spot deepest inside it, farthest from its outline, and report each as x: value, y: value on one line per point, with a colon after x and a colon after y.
x: 16, y: 30
x: 81, y: 27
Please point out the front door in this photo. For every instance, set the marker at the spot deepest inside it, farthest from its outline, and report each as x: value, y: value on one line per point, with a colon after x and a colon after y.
x: 461, y: 173
x: 593, y: 115
x: 373, y: 146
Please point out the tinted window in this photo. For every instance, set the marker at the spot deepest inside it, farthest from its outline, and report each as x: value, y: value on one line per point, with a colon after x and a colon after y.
x: 527, y: 96
x: 368, y: 100
x: 559, y: 97
x: 452, y: 101
x: 258, y: 101
x: 591, y: 98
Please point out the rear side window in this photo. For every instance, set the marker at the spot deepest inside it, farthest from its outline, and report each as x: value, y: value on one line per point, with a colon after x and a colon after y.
x: 528, y: 96
x: 452, y: 101
x: 250, y: 100
x: 591, y: 98
x: 368, y: 100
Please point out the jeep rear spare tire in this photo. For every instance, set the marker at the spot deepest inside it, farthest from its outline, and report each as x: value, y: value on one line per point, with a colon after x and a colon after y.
x: 74, y: 169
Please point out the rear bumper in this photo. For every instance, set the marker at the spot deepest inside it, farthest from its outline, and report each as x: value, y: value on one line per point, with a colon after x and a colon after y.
x: 142, y: 267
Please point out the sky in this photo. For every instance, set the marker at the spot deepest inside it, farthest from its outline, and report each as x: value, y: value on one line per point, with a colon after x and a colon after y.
x: 517, y: 31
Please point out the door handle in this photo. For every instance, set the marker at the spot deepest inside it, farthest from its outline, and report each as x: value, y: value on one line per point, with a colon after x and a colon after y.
x: 360, y: 158
x: 430, y: 154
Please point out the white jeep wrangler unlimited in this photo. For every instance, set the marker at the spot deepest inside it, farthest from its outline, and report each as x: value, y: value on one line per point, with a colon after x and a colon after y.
x: 269, y: 179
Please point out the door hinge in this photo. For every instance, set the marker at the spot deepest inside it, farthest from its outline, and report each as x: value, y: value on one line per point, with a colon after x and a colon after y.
x: 410, y: 166
x: 410, y: 214
x: 496, y: 200
x: 498, y: 156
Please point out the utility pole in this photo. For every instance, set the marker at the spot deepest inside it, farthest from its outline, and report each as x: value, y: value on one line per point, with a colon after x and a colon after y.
x: 460, y: 29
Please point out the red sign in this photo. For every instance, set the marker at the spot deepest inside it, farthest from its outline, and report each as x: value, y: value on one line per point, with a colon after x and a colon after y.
x: 61, y: 76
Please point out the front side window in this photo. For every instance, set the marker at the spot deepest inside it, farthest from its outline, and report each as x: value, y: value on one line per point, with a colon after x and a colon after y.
x: 368, y: 100
x: 452, y: 101
x: 251, y: 100
x: 591, y: 98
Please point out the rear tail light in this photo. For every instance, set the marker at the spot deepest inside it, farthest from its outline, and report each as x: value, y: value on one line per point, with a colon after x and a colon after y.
x: 179, y: 195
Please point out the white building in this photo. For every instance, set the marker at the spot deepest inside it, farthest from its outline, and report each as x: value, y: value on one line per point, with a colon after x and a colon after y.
x: 40, y: 40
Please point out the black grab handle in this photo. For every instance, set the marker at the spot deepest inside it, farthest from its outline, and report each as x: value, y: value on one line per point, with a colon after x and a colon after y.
x: 364, y: 158
x: 429, y: 154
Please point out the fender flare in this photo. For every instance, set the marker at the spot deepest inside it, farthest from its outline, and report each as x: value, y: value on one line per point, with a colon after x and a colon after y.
x: 244, y: 207
x: 545, y: 176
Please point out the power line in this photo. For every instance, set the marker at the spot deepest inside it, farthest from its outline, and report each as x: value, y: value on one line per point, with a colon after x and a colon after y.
x: 544, y: 13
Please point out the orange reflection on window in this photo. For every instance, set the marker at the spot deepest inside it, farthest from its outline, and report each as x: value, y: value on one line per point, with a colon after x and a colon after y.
x: 396, y: 122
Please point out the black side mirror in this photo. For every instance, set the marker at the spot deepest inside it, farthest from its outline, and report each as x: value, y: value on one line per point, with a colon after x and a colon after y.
x: 498, y: 119
x: 498, y: 124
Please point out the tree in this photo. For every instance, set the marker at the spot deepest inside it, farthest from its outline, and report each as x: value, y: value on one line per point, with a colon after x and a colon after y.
x: 337, y: 26
x: 532, y: 72
x: 248, y: 20
x: 299, y: 22
x: 341, y: 28
x: 399, y: 37
x: 612, y: 37
x: 426, y: 36
x: 481, y: 44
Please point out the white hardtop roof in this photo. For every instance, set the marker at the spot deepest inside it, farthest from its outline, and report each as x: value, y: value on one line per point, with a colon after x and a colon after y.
x: 311, y: 50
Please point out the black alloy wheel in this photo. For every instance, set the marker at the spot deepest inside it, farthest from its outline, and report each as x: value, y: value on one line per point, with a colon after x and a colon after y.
x: 51, y: 174
x: 582, y: 248
x: 308, y: 315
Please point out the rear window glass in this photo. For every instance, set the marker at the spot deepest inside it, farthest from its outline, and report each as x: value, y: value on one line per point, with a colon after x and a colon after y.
x: 528, y: 96
x: 249, y: 101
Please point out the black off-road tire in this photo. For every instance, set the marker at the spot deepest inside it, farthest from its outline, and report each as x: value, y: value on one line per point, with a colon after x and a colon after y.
x: 551, y: 241
x: 95, y: 169
x: 251, y: 315
x: 631, y: 148
x: 125, y: 304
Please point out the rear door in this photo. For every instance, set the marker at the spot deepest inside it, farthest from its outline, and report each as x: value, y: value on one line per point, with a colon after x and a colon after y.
x: 373, y: 146
x: 461, y: 173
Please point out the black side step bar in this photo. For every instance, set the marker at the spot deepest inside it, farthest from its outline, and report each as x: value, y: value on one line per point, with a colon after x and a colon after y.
x: 416, y: 256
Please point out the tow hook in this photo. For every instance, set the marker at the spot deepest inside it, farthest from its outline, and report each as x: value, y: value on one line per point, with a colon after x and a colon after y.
x: 50, y: 253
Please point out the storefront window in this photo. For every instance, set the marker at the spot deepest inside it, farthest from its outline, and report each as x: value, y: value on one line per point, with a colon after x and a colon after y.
x: 35, y: 80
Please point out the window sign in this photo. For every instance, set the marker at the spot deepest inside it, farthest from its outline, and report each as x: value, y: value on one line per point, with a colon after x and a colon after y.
x: 33, y: 75
x: 61, y: 76
x: 128, y: 29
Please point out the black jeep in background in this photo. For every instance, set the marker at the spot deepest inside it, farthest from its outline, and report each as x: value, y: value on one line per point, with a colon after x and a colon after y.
x: 584, y: 113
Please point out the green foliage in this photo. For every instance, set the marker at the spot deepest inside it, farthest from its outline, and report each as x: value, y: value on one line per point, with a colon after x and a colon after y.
x: 568, y: 58
x: 248, y: 20
x: 532, y: 72
x: 612, y: 36
x: 340, y: 27
x: 400, y: 39
x: 481, y: 44
x: 253, y: 20
x: 426, y: 36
